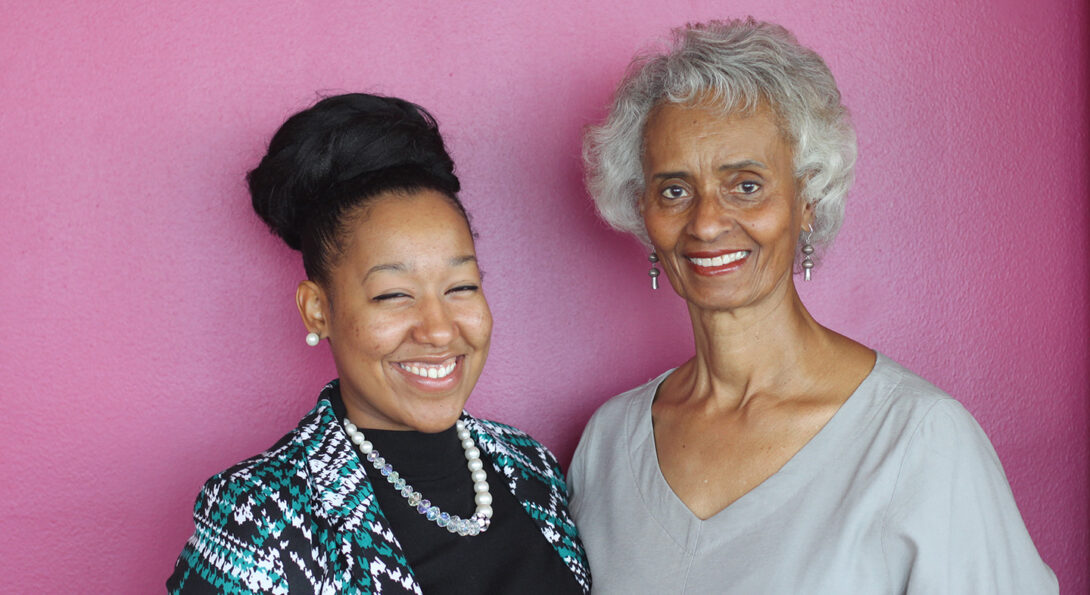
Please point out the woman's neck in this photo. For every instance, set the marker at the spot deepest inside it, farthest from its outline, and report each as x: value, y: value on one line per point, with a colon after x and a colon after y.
x: 771, y: 348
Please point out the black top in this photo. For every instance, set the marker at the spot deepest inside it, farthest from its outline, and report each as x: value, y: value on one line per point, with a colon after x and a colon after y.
x: 512, y: 556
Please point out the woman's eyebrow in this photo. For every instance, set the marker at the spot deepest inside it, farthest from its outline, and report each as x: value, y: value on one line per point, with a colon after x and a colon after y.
x: 742, y: 165
x: 397, y: 267
x: 400, y: 267
x: 666, y: 175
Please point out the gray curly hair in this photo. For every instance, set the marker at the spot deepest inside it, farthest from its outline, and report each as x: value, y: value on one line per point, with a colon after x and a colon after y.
x: 741, y: 65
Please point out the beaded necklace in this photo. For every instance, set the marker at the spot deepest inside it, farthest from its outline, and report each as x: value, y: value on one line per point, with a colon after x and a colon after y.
x: 474, y: 525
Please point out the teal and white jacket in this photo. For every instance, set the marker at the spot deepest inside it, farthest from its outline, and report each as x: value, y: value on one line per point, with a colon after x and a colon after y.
x: 302, y: 517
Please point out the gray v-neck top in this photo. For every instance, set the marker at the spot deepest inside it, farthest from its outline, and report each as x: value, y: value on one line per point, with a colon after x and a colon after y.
x: 900, y: 492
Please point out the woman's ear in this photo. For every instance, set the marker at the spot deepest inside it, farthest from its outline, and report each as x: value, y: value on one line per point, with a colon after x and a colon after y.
x: 807, y: 219
x: 807, y: 214
x: 313, y: 307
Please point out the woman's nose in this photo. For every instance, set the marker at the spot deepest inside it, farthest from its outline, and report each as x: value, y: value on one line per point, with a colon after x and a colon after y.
x: 709, y: 219
x: 436, y: 324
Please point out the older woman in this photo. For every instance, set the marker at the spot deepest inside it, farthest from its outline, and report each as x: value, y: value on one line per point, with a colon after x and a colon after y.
x: 783, y: 457
x: 364, y: 188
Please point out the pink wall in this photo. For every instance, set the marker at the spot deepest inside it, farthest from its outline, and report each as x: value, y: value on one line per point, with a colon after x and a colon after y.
x: 149, y: 334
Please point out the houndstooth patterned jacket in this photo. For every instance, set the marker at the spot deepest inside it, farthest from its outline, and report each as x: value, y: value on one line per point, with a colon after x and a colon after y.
x: 302, y: 517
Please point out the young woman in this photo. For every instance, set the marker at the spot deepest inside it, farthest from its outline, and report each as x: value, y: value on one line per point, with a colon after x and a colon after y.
x: 387, y: 485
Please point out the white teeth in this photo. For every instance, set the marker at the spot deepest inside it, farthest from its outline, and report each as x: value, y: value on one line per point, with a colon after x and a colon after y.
x: 721, y: 260
x: 427, y: 371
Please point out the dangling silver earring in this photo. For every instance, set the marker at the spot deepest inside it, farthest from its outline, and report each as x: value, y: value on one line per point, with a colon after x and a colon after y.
x: 807, y: 250
x: 654, y: 272
x: 313, y: 339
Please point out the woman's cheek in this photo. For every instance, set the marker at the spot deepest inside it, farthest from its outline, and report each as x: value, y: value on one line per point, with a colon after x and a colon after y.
x: 483, y: 317
x: 383, y: 334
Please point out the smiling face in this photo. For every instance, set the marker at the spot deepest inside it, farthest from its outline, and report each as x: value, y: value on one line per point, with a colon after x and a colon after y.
x: 721, y: 204
x: 404, y: 312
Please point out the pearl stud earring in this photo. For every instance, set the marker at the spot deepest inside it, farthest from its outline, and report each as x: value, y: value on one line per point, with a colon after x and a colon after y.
x: 313, y: 339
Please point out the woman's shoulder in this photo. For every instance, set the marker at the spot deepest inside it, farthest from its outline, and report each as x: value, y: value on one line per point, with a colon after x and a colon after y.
x: 922, y: 413
x: 246, y: 516
x: 270, y: 470
x: 612, y: 414
x: 503, y: 433
x: 518, y: 455
x: 902, y: 390
x: 617, y: 405
x: 501, y: 439
x: 949, y: 498
x: 498, y: 428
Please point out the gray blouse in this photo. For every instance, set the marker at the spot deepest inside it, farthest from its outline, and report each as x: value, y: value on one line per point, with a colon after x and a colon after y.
x: 900, y: 492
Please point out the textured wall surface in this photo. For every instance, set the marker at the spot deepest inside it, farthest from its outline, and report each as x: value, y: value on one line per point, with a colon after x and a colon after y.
x: 149, y: 335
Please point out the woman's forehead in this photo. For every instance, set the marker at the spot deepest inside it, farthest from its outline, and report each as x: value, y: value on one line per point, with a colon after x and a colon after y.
x: 408, y: 229
x: 675, y: 131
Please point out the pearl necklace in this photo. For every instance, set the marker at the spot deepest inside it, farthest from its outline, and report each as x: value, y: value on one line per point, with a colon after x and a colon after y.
x: 474, y: 525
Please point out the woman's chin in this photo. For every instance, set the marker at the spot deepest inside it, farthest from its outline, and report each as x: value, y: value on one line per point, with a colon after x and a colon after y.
x: 431, y: 422
x: 402, y: 409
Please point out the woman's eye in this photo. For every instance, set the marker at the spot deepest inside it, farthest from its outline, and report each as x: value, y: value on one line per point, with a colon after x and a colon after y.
x: 748, y: 187
x: 674, y: 192
x: 468, y: 288
x: 389, y: 296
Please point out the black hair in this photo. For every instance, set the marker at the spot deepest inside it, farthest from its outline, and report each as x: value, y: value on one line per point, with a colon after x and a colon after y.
x: 329, y: 160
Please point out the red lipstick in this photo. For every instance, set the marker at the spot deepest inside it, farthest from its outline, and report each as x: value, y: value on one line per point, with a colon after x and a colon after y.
x: 711, y: 264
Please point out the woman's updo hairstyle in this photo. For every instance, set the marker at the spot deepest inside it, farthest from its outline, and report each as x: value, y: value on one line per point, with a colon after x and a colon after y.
x: 327, y: 161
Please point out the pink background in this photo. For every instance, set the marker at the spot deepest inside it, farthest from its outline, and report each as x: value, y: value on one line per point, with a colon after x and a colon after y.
x: 149, y: 335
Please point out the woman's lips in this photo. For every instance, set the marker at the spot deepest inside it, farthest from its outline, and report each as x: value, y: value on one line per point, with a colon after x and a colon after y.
x: 716, y: 263
x: 431, y: 375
